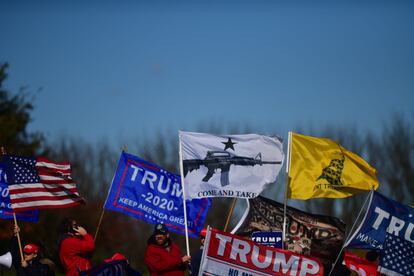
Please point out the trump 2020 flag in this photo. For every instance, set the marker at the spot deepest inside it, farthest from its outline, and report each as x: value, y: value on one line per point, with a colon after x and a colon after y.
x: 388, y: 227
x: 146, y: 191
x: 229, y: 165
x: 320, y: 167
x: 6, y: 212
x: 38, y: 183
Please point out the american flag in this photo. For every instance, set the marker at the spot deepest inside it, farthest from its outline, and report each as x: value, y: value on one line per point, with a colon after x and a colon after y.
x: 397, y: 257
x: 37, y: 183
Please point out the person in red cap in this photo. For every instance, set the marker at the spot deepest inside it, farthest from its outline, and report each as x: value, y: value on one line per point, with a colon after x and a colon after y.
x: 116, y: 257
x: 75, y: 247
x: 162, y: 256
x: 196, y: 259
x: 30, y: 265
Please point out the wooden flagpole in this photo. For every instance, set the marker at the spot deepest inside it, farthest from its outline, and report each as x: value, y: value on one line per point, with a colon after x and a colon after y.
x: 18, y: 236
x: 184, y: 205
x: 286, y: 186
x: 124, y: 149
x: 99, y: 223
x: 3, y: 152
x: 230, y: 214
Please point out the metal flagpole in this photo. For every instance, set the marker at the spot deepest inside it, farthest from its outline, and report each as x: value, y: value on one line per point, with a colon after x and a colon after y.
x: 184, y: 204
x: 286, y: 186
x: 352, y: 228
x: 3, y: 152
x: 243, y: 218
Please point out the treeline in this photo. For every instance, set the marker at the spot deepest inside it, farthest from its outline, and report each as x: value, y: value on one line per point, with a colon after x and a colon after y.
x: 389, y: 149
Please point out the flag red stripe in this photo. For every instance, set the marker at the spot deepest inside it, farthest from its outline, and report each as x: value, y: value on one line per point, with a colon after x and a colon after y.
x: 42, y: 159
x: 41, y: 185
x: 45, y: 170
x: 54, y: 173
x: 44, y: 181
x: 49, y: 190
x: 55, y: 190
x: 57, y: 178
x: 74, y: 203
x: 37, y: 198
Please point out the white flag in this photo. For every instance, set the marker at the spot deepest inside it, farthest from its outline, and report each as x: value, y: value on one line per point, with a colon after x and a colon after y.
x: 229, y: 165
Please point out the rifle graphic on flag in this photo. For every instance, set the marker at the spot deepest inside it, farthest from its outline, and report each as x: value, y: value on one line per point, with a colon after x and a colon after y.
x: 238, y: 159
x: 222, y: 160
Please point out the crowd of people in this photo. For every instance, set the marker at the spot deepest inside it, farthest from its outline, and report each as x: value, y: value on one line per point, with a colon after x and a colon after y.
x: 32, y: 262
x: 162, y: 256
x: 75, y: 251
x: 76, y: 246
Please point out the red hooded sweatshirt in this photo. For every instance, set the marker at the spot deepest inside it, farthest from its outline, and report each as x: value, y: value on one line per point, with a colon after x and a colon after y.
x: 75, y: 254
x: 164, y: 261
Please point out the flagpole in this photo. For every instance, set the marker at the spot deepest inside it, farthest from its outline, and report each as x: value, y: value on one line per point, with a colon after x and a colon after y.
x: 99, y: 223
x: 3, y: 152
x: 360, y: 211
x: 184, y: 204
x: 243, y: 218
x: 18, y: 236
x: 124, y: 149
x: 350, y: 231
x: 230, y: 214
x: 286, y: 186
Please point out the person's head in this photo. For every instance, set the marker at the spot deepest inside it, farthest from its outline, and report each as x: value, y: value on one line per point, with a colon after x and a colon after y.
x: 30, y: 252
x: 68, y: 226
x: 203, y: 233
x: 161, y: 234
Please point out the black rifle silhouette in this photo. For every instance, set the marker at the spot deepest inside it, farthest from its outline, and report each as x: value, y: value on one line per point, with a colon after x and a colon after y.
x: 222, y: 160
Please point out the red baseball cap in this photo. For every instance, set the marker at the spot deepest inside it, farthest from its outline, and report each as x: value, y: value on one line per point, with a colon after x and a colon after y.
x: 116, y: 257
x: 31, y: 248
x: 203, y: 233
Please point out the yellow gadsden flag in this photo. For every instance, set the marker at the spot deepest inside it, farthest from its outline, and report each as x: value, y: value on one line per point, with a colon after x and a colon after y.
x: 320, y: 167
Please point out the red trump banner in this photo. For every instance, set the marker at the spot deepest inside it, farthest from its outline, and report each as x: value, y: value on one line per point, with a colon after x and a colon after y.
x: 227, y: 254
x: 360, y: 265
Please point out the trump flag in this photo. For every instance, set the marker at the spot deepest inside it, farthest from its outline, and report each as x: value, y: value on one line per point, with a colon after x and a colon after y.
x: 388, y: 227
x: 360, y: 265
x: 6, y: 212
x: 227, y: 254
x: 148, y: 192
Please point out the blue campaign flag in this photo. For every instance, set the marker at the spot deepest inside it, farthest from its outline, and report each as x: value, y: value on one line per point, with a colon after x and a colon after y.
x: 146, y: 191
x: 268, y: 238
x: 6, y: 212
x: 383, y: 217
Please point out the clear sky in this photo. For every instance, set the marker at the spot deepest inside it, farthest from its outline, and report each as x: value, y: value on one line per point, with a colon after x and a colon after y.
x: 121, y: 68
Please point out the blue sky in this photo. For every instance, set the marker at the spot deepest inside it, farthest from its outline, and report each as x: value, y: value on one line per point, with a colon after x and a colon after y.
x: 118, y: 69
